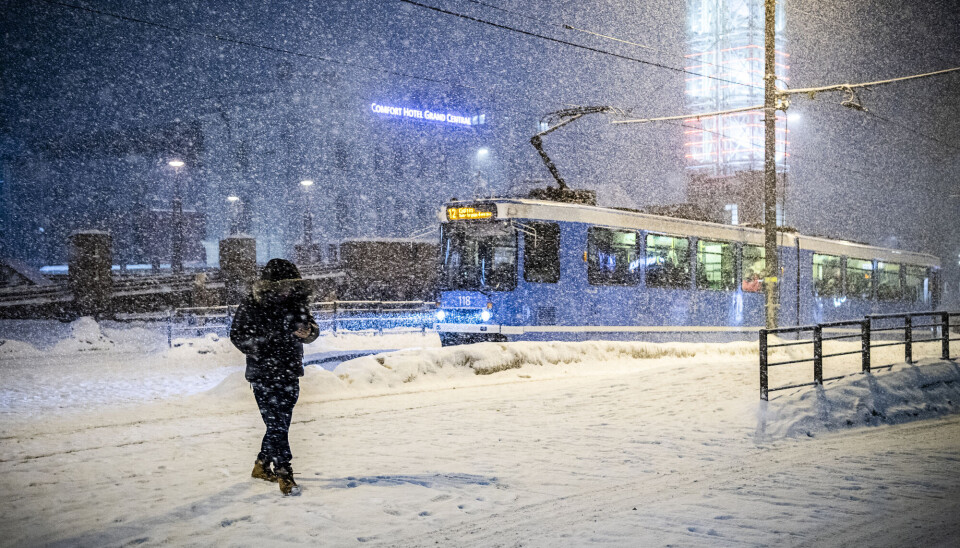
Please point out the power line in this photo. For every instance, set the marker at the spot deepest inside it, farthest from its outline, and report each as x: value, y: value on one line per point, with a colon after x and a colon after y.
x: 571, y: 44
x: 282, y: 51
x: 247, y: 43
x: 567, y: 26
x: 615, y: 39
x: 511, y: 12
x: 913, y: 130
x: 562, y: 25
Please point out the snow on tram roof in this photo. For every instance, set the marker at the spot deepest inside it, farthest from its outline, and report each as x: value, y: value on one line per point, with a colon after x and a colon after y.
x: 525, y: 208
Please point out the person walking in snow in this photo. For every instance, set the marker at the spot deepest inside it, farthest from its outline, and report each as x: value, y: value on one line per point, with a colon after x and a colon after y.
x: 271, y: 326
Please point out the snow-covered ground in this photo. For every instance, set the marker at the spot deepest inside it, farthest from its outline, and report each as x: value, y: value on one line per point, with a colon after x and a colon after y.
x: 108, y: 438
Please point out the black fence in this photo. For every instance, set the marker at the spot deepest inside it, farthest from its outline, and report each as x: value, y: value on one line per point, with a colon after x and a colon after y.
x: 372, y: 317
x: 890, y: 328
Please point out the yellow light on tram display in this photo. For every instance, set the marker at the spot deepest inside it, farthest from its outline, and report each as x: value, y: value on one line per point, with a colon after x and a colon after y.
x: 468, y: 213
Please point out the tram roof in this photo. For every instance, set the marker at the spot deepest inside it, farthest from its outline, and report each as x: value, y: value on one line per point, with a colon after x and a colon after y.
x: 523, y: 208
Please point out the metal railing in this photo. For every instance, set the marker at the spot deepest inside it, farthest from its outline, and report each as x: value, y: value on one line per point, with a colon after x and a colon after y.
x: 333, y: 316
x: 864, y: 330
x: 374, y: 315
x: 198, y: 321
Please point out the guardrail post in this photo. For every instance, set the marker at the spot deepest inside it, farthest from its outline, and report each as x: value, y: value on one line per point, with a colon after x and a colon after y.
x: 333, y: 319
x: 764, y: 390
x: 865, y: 344
x: 170, y: 329
x: 908, y: 339
x: 818, y: 354
x: 380, y: 318
x: 945, y: 335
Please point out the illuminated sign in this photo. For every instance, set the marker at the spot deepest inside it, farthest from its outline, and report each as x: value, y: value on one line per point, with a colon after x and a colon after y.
x: 423, y: 114
x: 470, y: 213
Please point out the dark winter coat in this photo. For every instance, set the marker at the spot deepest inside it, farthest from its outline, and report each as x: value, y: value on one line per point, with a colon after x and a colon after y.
x: 264, y: 325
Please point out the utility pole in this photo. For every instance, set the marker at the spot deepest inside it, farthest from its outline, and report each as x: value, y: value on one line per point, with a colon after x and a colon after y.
x: 772, y: 277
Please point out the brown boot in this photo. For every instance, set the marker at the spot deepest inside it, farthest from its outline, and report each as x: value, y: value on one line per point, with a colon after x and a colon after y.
x: 288, y: 486
x: 261, y: 470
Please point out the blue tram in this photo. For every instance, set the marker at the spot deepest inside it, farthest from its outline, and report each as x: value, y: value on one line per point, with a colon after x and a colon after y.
x: 524, y: 269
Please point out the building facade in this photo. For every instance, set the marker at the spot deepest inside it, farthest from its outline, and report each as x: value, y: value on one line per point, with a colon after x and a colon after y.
x: 725, y: 153
x: 726, y: 46
x: 380, y: 161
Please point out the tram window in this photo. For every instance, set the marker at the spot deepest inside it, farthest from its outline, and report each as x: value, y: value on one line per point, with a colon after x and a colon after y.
x: 715, y: 266
x: 754, y: 265
x: 541, y: 253
x: 916, y: 285
x: 888, y: 281
x: 479, y: 256
x: 827, y: 275
x: 668, y: 261
x: 613, y: 256
x: 859, y: 278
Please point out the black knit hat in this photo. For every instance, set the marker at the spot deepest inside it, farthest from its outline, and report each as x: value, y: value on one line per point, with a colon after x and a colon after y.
x: 279, y: 269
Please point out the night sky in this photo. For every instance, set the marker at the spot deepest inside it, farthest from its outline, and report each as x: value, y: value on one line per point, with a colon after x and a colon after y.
x: 885, y: 176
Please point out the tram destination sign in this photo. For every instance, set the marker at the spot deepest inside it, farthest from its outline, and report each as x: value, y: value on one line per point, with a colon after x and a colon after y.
x: 475, y: 212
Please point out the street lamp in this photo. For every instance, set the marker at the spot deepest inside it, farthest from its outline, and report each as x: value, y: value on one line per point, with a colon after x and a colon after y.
x: 235, y: 212
x: 176, y: 261
x: 307, y: 222
x: 481, y: 183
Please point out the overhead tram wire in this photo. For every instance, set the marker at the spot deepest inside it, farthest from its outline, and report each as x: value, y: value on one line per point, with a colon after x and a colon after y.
x: 511, y: 12
x: 916, y: 132
x: 229, y: 39
x: 662, y: 52
x: 567, y: 26
x: 792, y: 154
x: 853, y: 100
x: 284, y: 51
x: 572, y: 44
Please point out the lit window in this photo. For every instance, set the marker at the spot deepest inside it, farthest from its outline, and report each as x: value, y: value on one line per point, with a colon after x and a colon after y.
x: 715, y: 266
x: 827, y: 276
x: 478, y: 257
x: 668, y: 261
x: 613, y: 256
x: 754, y: 265
x: 733, y: 215
x: 888, y: 282
x: 859, y: 278
x: 916, y: 285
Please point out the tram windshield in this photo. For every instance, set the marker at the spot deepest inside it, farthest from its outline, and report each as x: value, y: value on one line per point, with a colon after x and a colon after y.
x: 479, y: 256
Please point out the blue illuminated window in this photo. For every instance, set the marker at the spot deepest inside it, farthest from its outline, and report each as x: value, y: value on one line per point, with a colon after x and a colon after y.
x: 613, y: 256
x: 668, y: 261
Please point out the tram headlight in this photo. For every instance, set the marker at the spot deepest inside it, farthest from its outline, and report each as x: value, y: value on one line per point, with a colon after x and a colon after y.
x: 441, y: 315
x: 485, y: 315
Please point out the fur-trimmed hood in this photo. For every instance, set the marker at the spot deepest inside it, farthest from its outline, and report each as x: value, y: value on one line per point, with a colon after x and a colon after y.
x: 272, y: 291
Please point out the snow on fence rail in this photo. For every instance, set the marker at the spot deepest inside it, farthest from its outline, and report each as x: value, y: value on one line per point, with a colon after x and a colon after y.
x: 939, y: 330
x: 353, y: 316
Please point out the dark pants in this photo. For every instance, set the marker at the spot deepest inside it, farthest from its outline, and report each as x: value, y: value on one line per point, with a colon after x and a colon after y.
x: 276, y: 401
